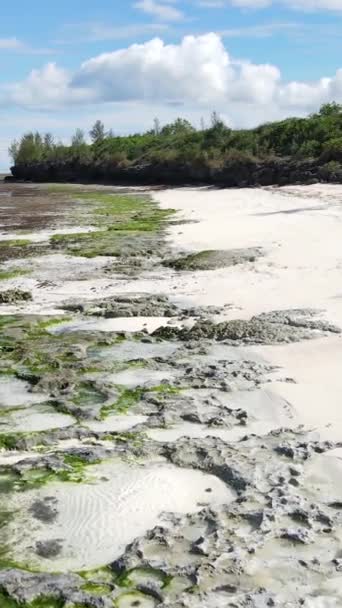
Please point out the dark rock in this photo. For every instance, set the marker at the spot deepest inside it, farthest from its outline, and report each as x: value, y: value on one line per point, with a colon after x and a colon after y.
x: 235, y: 173
x: 13, y: 296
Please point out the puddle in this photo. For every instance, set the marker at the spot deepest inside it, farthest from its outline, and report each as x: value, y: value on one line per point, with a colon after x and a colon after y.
x: 16, y: 393
x: 97, y: 520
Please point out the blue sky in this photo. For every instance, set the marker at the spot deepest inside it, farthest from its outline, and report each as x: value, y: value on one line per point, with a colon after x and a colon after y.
x: 66, y: 63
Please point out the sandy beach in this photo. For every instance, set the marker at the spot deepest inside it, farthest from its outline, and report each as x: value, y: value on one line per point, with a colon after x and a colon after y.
x: 170, y: 426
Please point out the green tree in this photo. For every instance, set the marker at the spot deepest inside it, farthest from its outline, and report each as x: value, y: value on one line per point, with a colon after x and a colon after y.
x: 179, y: 127
x: 97, y: 132
x: 78, y: 139
x: 13, y: 150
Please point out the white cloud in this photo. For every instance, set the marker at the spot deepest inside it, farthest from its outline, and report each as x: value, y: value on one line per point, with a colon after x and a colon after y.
x: 313, y: 5
x: 198, y: 69
x: 100, y: 32
x: 17, y: 46
x: 196, y: 75
x: 160, y: 9
x: 260, y: 31
x: 10, y: 44
x: 303, y: 5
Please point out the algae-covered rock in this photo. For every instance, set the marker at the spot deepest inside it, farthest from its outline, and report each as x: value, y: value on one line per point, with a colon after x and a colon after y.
x: 272, y: 328
x: 12, y: 296
x: 213, y: 259
x: 130, y: 305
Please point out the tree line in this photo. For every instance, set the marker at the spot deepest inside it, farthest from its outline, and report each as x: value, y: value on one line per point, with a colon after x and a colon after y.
x: 317, y: 136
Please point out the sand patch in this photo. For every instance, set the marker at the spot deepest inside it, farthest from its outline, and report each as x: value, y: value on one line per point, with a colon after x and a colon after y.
x: 97, y: 520
x: 35, y: 419
x: 17, y: 393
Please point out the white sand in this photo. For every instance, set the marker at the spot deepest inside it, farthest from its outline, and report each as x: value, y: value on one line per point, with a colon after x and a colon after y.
x: 16, y: 393
x: 131, y: 378
x: 129, y: 351
x: 35, y: 419
x: 301, y: 230
x: 97, y: 520
x: 114, y: 423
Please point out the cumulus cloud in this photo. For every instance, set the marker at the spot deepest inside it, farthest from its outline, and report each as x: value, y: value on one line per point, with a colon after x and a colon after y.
x: 197, y: 73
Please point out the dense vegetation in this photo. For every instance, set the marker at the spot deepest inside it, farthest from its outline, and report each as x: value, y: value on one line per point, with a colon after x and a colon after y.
x: 319, y: 136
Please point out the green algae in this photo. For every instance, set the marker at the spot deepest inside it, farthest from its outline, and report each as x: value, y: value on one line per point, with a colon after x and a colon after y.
x: 13, y: 274
x: 76, y: 471
x: 132, y: 599
x: 127, y: 399
x: 15, y: 243
x: 88, y: 394
x: 7, y: 602
x: 132, y: 577
x: 100, y: 575
x: 119, y: 218
x: 130, y: 397
x: 96, y: 589
x: 165, y: 389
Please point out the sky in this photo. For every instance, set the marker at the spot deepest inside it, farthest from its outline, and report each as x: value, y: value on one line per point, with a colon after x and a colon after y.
x: 66, y: 64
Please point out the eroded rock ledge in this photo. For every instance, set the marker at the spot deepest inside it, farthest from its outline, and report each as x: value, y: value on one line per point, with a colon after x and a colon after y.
x: 237, y: 173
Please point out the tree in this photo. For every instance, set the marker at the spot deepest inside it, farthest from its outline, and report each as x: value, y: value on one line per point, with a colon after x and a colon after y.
x: 78, y: 139
x: 156, y: 126
x: 97, y: 132
x: 13, y: 150
x: 330, y: 109
x: 216, y: 120
x: 179, y: 127
x: 48, y: 141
